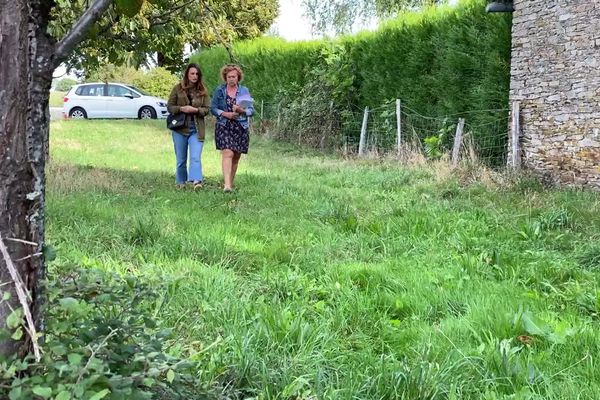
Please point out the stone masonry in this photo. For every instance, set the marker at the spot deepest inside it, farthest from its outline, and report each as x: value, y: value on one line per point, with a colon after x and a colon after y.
x: 555, y: 75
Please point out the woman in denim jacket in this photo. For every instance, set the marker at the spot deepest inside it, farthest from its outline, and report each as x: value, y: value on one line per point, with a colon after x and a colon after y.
x: 190, y: 96
x: 232, y: 127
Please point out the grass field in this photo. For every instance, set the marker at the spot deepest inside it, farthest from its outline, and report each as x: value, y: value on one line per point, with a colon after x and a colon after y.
x: 324, y: 278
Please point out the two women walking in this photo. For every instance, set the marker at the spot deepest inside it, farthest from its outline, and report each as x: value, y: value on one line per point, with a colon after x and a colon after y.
x: 231, y: 105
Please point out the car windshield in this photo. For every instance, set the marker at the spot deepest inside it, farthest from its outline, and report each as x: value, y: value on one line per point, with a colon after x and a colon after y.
x: 139, y: 90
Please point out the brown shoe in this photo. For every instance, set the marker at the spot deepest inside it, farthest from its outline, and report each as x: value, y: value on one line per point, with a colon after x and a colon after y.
x: 198, y: 185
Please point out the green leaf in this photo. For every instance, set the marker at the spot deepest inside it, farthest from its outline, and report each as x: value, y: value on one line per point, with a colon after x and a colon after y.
x: 15, y: 393
x: 6, y: 296
x: 42, y: 391
x: 74, y: 358
x: 170, y: 375
x: 533, y: 325
x: 14, y: 319
x: 49, y: 253
x: 70, y: 304
x: 18, y: 334
x: 129, y: 8
x: 100, y: 395
x: 64, y: 395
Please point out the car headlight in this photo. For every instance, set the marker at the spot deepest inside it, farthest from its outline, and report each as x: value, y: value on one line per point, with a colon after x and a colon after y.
x: 162, y: 104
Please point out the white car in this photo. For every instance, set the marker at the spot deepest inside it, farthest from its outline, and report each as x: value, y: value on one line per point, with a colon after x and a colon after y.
x: 112, y: 100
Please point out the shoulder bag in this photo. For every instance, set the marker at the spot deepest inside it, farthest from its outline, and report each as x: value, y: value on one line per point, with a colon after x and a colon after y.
x: 176, y: 121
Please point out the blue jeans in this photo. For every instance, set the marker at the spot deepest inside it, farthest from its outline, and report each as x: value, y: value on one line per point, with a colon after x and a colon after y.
x: 183, y: 144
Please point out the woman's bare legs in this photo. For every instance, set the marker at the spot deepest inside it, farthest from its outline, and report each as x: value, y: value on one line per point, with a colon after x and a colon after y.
x: 229, y: 164
x: 234, y: 165
x: 226, y: 165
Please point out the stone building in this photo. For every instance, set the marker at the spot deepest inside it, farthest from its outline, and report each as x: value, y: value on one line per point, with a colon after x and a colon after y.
x: 555, y: 77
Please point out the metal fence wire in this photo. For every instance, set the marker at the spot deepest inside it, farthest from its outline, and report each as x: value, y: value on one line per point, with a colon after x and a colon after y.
x: 392, y: 129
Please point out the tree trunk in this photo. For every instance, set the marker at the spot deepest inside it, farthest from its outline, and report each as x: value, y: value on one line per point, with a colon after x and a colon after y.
x: 25, y: 78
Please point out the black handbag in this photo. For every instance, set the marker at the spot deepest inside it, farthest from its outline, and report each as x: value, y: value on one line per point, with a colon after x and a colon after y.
x: 176, y: 121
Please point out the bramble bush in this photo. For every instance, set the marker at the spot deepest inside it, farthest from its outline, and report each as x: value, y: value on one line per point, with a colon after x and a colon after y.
x: 101, y: 341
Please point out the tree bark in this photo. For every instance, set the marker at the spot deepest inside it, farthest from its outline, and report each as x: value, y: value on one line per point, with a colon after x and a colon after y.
x: 16, y: 174
x: 28, y: 59
x: 25, y: 78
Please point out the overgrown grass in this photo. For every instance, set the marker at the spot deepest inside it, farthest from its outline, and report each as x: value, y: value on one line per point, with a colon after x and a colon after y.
x: 340, y: 279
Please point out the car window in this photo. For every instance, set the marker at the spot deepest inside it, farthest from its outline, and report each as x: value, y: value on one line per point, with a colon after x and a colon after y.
x: 90, y: 90
x: 120, y: 91
x: 139, y: 90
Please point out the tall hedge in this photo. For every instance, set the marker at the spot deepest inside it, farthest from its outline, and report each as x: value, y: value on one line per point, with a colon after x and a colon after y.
x: 270, y: 64
x: 441, y: 61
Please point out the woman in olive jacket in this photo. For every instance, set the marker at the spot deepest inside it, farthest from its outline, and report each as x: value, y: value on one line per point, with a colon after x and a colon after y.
x: 190, y: 96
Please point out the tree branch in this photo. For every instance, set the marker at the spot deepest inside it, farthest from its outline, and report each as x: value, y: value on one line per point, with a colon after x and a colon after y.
x: 24, y: 298
x: 225, y: 44
x: 158, y: 19
x: 79, y: 29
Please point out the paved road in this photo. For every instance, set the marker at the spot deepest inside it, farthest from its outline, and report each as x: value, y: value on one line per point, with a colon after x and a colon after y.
x: 55, y: 113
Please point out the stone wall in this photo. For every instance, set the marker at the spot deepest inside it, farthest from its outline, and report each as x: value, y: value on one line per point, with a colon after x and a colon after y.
x: 555, y: 75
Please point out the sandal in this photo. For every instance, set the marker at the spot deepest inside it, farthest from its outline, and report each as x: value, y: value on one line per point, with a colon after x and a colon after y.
x: 198, y: 185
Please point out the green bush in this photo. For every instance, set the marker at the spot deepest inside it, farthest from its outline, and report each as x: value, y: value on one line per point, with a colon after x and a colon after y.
x: 65, y: 84
x: 114, y: 73
x: 270, y: 64
x: 102, y: 341
x: 156, y: 81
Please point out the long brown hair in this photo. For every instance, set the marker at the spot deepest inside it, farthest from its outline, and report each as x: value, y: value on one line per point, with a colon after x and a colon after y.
x: 185, y: 82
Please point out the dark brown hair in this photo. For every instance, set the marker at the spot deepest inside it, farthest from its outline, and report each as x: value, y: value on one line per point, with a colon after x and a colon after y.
x: 185, y: 82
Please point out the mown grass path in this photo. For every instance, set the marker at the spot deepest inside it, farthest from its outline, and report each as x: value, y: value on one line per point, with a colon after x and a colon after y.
x: 340, y: 279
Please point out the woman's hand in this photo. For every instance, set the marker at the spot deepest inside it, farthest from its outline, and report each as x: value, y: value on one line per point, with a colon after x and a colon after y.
x: 238, y: 109
x: 188, y: 109
x: 229, y: 115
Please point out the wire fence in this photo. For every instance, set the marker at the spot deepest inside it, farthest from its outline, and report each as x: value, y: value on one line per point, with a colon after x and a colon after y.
x: 394, y: 129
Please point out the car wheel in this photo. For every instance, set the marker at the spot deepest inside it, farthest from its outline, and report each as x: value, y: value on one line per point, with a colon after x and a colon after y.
x: 77, y: 113
x: 147, y: 112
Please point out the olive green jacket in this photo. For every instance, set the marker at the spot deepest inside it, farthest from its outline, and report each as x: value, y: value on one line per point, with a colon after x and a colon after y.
x: 179, y: 97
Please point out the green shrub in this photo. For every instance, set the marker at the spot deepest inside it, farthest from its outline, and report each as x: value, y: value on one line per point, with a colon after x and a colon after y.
x: 65, y: 84
x: 157, y: 81
x: 101, y: 341
x: 114, y: 73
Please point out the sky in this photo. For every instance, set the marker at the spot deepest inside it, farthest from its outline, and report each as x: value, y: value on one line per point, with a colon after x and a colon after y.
x: 291, y: 24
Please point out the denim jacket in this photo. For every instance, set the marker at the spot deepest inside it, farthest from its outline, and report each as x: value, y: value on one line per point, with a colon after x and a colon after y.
x: 219, y: 105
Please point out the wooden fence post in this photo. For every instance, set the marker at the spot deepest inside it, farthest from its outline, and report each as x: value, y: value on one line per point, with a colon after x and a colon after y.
x: 458, y: 141
x: 262, y: 110
x: 399, y: 125
x: 363, y: 133
x: 515, y: 131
